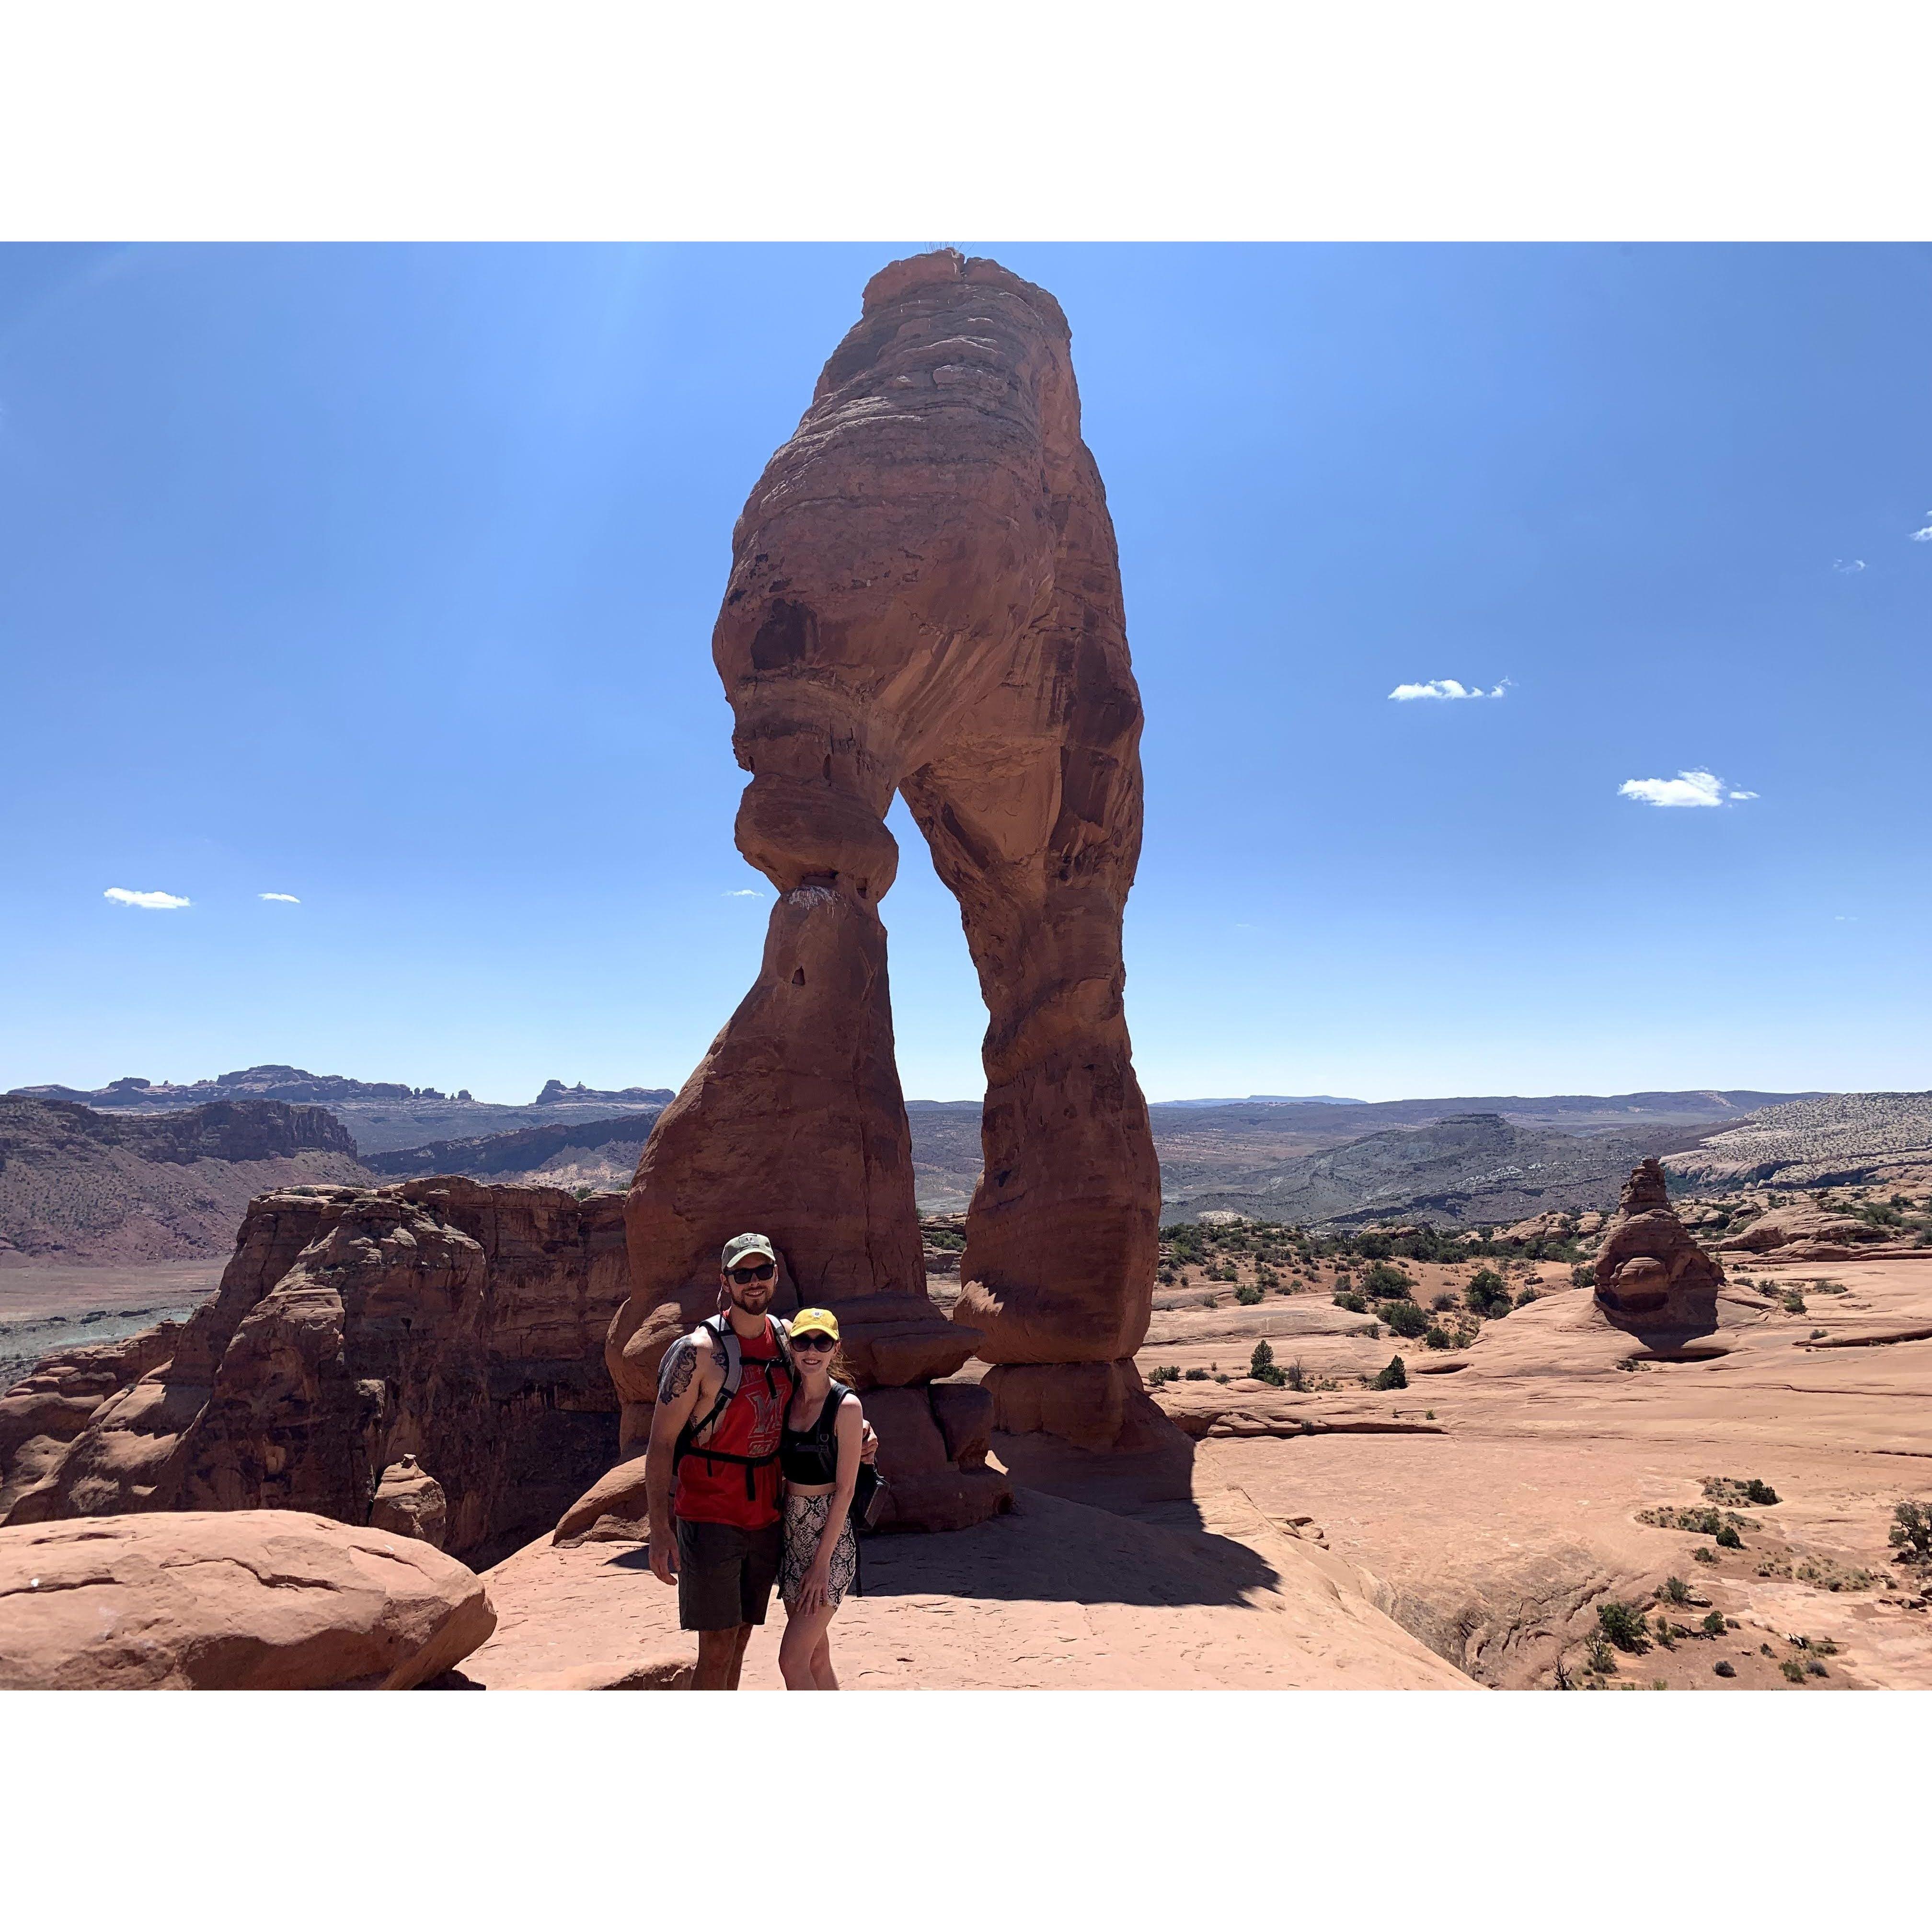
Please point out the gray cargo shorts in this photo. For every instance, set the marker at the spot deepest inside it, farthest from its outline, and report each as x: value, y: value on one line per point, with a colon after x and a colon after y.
x: 725, y: 1574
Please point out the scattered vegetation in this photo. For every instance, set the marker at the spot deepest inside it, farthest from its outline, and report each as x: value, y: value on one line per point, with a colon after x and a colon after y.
x: 1728, y: 1538
x: 1196, y: 1376
x: 1623, y: 1626
x: 1406, y: 1319
x: 1713, y: 1623
x: 1584, y: 1275
x: 1699, y: 1522
x: 1352, y: 1302
x: 1261, y: 1367
x: 1487, y: 1294
x: 1740, y: 1489
x: 1675, y: 1590
x: 1911, y: 1532
x: 1435, y: 1337
x: 1599, y: 1657
x: 1167, y: 1373
x: 1386, y: 1283
x: 1701, y: 1555
x: 1247, y: 1296
x: 1395, y: 1376
x: 1793, y: 1670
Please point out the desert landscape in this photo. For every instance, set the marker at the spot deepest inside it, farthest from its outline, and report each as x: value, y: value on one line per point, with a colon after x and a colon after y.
x: 1564, y: 1392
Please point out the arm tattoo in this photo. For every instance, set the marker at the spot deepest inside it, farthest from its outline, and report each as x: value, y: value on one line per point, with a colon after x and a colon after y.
x: 679, y: 1366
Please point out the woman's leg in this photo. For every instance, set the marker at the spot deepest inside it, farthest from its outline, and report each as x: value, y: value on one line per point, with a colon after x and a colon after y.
x: 824, y: 1677
x: 804, y: 1636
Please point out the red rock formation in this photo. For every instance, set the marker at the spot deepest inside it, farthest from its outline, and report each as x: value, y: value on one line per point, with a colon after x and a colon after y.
x: 251, y: 1599
x: 443, y: 1318
x: 1650, y: 1273
x: 409, y: 1502
x: 924, y: 599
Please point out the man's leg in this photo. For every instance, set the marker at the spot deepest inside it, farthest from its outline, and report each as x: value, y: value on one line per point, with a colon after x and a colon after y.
x: 720, y: 1655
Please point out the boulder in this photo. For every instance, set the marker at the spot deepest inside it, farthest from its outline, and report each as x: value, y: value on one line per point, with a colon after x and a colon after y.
x: 1802, y: 1231
x: 243, y: 1599
x: 1650, y: 1274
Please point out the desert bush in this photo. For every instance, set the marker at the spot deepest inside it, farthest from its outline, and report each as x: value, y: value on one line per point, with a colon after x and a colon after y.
x: 1728, y: 1538
x: 1523, y: 1299
x: 1583, y: 1276
x: 1813, y: 1668
x: 1374, y: 1247
x: 1675, y: 1590
x: 1599, y: 1656
x: 1260, y: 1366
x: 1622, y: 1625
x: 1196, y: 1376
x: 1167, y: 1373
x: 1247, y: 1296
x: 1487, y: 1293
x: 1395, y: 1376
x: 1443, y: 1303
x: 1434, y: 1336
x: 1700, y: 1555
x: 1713, y: 1623
x: 1386, y: 1283
x: 1792, y: 1302
x: 1724, y: 1667
x: 1352, y: 1302
x: 1793, y: 1670
x: 1911, y: 1532
x: 1406, y: 1319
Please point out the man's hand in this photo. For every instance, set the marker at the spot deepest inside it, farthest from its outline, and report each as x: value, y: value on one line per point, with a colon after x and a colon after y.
x: 868, y: 1444
x: 664, y: 1558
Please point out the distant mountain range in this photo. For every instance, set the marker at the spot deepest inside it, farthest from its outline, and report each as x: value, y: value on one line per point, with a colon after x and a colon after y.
x: 379, y: 1114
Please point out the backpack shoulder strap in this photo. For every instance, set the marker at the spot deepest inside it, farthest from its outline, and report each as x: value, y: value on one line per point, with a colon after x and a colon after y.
x: 714, y: 1333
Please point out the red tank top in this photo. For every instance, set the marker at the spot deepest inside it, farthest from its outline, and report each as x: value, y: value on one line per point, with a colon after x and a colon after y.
x: 712, y: 1491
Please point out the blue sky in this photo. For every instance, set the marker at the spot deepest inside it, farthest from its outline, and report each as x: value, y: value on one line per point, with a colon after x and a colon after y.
x: 384, y: 578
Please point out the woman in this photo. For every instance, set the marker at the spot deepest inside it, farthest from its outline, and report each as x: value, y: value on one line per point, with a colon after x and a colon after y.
x: 818, y: 1455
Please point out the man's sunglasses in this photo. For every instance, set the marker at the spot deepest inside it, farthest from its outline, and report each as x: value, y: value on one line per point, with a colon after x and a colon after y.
x: 814, y: 1341
x: 763, y: 1272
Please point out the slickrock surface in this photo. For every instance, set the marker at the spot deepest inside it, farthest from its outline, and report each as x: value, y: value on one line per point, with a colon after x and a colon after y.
x: 1056, y: 1595
x: 1497, y: 1533
x: 1650, y: 1273
x: 250, y: 1600
x: 460, y: 1323
x: 925, y: 599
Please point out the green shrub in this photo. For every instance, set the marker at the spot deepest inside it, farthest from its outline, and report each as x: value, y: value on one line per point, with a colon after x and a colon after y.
x: 1583, y: 1276
x: 1247, y: 1296
x: 1793, y: 1670
x: 1443, y: 1303
x: 1404, y: 1318
x: 1813, y: 1668
x: 1703, y: 1556
x: 1487, y: 1293
x: 1724, y: 1667
x: 1713, y: 1623
x: 1793, y: 1302
x: 1911, y: 1532
x: 1352, y: 1302
x: 1598, y: 1655
x: 1395, y: 1376
x: 1383, y: 1281
x: 1675, y: 1590
x: 1260, y: 1366
x: 1623, y: 1625
x: 1728, y: 1538
x: 1167, y: 1373
x: 1196, y: 1376
x: 1523, y: 1299
x: 1433, y: 1337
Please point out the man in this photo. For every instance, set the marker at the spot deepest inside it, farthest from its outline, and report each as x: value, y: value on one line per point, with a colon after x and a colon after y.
x: 712, y: 1474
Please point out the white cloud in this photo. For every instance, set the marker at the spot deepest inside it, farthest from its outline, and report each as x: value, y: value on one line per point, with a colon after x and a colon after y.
x: 746, y: 892
x: 1686, y: 788
x: 1849, y: 566
x: 1445, y: 687
x: 286, y: 898
x: 147, y: 901
x: 1925, y: 534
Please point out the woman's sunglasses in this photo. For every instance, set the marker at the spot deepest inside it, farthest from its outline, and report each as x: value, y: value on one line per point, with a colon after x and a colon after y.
x: 763, y: 1272
x: 814, y: 1341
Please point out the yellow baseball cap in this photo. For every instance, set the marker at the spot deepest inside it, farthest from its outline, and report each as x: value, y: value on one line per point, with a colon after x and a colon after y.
x: 815, y: 1321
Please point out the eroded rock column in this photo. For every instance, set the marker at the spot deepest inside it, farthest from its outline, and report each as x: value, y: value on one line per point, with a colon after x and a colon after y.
x: 924, y: 598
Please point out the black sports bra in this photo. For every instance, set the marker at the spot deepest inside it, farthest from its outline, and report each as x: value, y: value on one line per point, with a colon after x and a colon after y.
x: 810, y: 1456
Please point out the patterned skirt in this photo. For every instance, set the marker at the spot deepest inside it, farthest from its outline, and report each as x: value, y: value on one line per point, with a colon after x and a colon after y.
x: 805, y: 1519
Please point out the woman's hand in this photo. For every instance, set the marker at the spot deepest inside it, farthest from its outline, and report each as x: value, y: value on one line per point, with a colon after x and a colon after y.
x: 818, y: 1586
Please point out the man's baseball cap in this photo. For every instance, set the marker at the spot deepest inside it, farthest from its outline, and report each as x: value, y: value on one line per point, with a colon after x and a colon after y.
x: 739, y: 1245
x: 815, y: 1321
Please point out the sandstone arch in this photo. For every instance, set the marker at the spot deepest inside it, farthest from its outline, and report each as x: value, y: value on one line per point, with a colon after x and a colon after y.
x: 925, y: 599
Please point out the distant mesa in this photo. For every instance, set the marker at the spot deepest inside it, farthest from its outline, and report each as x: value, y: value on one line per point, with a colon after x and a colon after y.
x: 556, y: 1093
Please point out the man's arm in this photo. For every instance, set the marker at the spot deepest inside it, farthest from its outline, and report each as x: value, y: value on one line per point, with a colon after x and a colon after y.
x: 678, y: 1388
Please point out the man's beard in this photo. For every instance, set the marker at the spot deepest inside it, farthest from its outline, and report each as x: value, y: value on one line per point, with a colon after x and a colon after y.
x: 753, y: 1300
